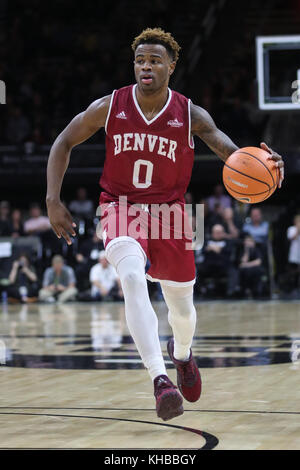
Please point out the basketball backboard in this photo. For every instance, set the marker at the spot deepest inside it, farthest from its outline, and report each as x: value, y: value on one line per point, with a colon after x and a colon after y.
x: 278, y: 72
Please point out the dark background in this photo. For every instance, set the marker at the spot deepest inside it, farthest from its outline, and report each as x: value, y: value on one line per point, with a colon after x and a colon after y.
x: 56, y: 57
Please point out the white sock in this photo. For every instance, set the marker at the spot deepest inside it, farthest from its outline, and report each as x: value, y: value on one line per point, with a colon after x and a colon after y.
x: 181, y: 317
x: 140, y: 317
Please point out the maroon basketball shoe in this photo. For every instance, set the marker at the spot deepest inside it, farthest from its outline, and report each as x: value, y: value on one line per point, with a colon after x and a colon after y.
x: 168, y: 400
x: 188, y: 375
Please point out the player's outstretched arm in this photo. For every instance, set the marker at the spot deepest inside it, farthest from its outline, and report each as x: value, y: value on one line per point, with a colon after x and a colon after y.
x: 204, y: 127
x: 82, y: 126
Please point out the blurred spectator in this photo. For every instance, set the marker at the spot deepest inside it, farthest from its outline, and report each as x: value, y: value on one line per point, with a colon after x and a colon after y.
x: 241, y: 210
x: 188, y: 198
x: 87, y: 255
x: 218, y: 197
x: 89, y: 248
x: 104, y: 280
x: 217, y: 262
x: 23, y: 280
x: 36, y: 137
x: 293, y: 235
x: 213, y: 217
x: 5, y: 226
x: 230, y: 224
x: 59, y: 282
x: 190, y: 208
x: 18, y: 126
x: 17, y: 228
x: 37, y: 223
x: 82, y: 206
x: 39, y: 81
x: 257, y: 227
x: 206, y: 213
x: 250, y: 268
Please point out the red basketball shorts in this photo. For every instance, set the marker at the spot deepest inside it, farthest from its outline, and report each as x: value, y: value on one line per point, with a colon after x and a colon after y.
x: 162, y: 231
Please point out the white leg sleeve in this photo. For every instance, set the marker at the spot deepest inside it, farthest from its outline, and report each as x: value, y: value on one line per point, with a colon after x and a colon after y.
x: 128, y: 259
x: 181, y: 317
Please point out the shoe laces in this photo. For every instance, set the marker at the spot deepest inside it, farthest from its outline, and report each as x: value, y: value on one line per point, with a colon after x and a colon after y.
x: 163, y: 382
x: 187, y: 370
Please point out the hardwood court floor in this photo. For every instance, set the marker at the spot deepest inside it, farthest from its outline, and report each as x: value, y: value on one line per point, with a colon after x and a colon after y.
x: 73, y: 379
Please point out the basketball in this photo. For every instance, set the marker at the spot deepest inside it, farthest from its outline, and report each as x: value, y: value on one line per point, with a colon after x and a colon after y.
x: 249, y: 176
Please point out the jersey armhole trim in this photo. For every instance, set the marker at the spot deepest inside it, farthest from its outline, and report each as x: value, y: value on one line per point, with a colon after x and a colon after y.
x: 190, y: 138
x: 109, y: 110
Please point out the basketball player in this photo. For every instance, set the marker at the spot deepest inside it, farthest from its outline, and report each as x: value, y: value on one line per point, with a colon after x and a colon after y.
x: 149, y: 158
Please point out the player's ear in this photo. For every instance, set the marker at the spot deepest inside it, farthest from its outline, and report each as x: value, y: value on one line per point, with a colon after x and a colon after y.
x: 172, y: 67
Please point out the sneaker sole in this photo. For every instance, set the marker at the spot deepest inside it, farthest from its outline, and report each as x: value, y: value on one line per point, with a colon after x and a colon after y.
x: 170, y: 406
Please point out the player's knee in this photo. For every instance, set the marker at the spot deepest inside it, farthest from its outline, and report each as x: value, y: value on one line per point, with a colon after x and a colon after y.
x: 182, y: 311
x: 180, y: 301
x: 132, y: 280
x: 178, y: 293
x: 126, y: 252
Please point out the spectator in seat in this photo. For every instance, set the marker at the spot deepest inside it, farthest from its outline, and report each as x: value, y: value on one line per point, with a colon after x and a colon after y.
x: 59, y: 282
x: 104, y: 280
x: 230, y: 224
x: 250, y: 267
x: 190, y: 209
x: 5, y: 226
x: 17, y: 226
x: 218, y: 197
x: 217, y: 263
x: 214, y: 217
x: 241, y: 211
x: 89, y: 248
x: 188, y: 198
x: 257, y: 227
x: 18, y: 126
x: 37, y: 223
x: 293, y: 235
x: 23, y: 280
x: 86, y: 257
x: 82, y: 207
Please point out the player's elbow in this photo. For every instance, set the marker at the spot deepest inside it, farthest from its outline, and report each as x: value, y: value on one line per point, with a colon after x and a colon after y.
x: 62, y: 142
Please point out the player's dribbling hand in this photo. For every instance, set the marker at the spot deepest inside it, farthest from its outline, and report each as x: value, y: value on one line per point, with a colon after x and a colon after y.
x: 278, y: 159
x: 61, y: 221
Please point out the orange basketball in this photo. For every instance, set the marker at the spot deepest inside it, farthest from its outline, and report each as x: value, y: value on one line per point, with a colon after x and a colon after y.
x: 248, y: 176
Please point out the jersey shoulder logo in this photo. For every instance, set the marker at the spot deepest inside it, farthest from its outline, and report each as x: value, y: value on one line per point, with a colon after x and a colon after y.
x: 175, y: 123
x: 121, y: 115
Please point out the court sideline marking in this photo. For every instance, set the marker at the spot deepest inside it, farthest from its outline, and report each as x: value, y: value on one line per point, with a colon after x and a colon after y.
x: 144, y: 409
x: 211, y: 441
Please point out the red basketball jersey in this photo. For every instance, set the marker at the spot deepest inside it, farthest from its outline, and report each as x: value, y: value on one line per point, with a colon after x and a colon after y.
x: 147, y: 161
